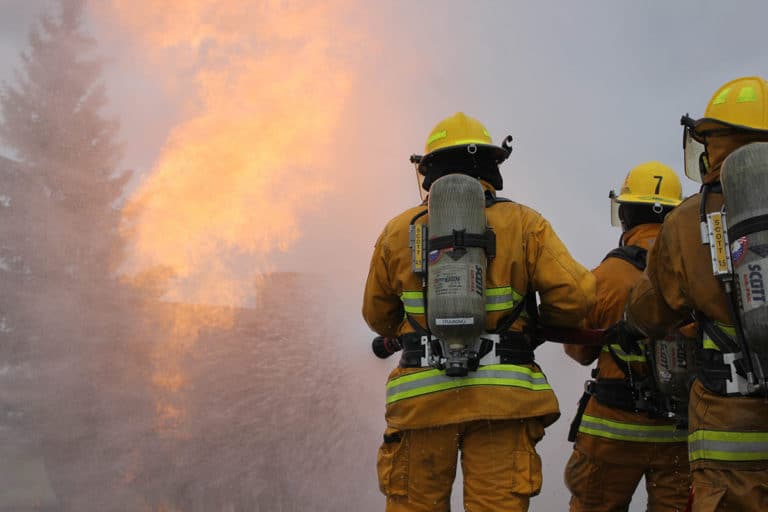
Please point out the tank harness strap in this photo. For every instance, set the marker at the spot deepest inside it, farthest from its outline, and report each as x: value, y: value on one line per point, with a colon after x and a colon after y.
x: 583, y: 401
x: 413, y: 350
x: 460, y: 240
x: 631, y: 254
x: 491, y: 200
x: 748, y: 226
x: 512, y: 348
x: 734, y: 352
x: 615, y: 393
x: 635, y: 256
x: 712, y: 369
x: 416, y: 325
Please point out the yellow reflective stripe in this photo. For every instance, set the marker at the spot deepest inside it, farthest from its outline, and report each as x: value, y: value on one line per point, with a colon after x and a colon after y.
x: 708, y: 343
x: 747, y: 95
x: 727, y: 329
x: 431, y: 381
x: 502, y: 290
x: 727, y: 446
x: 496, y: 299
x: 634, y: 432
x: 437, y: 136
x: 501, y: 298
x: 469, y: 141
x: 627, y: 358
x: 722, y: 97
x: 413, y: 302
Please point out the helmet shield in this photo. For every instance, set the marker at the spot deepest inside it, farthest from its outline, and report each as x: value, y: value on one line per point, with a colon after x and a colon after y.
x: 693, y: 152
x: 615, y: 220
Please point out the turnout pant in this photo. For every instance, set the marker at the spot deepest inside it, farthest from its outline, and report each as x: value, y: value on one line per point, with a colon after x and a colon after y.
x: 498, y: 460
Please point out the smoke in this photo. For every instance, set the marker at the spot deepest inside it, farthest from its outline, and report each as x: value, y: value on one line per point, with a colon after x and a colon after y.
x: 261, y: 88
x: 262, y: 170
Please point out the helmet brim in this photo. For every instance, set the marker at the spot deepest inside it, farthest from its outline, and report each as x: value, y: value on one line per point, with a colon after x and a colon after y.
x: 498, y: 154
x: 482, y: 162
x: 707, y: 126
x: 638, y: 199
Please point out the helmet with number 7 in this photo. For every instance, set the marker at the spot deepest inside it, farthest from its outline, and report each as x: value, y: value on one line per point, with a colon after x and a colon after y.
x: 651, y: 183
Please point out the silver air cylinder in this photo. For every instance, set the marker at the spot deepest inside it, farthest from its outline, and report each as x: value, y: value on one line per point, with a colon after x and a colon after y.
x: 744, y: 177
x: 456, y: 276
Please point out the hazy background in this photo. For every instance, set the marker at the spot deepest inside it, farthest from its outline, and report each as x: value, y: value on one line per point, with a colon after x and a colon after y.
x: 271, y: 137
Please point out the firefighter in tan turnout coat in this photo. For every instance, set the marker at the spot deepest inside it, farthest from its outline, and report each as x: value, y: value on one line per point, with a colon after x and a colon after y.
x: 619, y: 440
x: 496, y: 414
x: 728, y: 413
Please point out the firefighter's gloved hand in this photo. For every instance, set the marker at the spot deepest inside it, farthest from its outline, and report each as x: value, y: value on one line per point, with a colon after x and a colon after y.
x: 384, y: 347
x: 626, y: 336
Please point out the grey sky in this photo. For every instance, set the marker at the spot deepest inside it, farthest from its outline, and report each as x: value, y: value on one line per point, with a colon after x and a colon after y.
x: 588, y: 89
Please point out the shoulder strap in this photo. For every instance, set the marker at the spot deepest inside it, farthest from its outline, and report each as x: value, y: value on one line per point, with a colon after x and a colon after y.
x: 491, y: 200
x: 631, y: 254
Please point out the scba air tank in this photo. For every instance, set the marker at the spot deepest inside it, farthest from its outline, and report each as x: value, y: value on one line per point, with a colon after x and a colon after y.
x: 456, y: 274
x: 744, y: 177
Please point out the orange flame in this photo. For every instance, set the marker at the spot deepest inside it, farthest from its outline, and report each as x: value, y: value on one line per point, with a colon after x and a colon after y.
x: 266, y: 88
x: 262, y: 88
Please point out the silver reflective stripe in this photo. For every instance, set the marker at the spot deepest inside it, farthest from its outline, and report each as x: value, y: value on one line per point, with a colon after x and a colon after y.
x: 413, y: 302
x: 496, y: 299
x: 727, y: 446
x: 430, y: 381
x: 622, y: 431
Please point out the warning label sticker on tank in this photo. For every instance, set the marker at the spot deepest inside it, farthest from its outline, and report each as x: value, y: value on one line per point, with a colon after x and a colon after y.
x: 449, y: 280
x: 455, y: 321
x: 752, y: 278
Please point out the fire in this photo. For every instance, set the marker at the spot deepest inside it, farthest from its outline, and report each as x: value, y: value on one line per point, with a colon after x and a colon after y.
x: 263, y: 87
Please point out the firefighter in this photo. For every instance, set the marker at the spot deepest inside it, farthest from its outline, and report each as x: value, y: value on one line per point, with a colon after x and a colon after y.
x: 621, y: 439
x: 496, y: 414
x: 728, y: 422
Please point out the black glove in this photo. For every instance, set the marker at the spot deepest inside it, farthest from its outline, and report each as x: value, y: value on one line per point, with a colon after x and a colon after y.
x: 385, y: 347
x: 626, y: 336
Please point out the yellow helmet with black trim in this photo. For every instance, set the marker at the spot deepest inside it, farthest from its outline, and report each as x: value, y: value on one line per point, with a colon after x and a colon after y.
x: 740, y: 104
x: 462, y: 144
x: 458, y: 130
x: 738, y: 108
x: 651, y: 183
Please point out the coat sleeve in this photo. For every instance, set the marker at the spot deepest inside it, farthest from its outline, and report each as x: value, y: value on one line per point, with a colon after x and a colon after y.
x: 596, y: 319
x: 659, y: 302
x: 382, y: 308
x: 565, y: 287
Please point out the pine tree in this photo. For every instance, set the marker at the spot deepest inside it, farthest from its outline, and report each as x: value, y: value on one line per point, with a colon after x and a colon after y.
x: 52, y: 118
